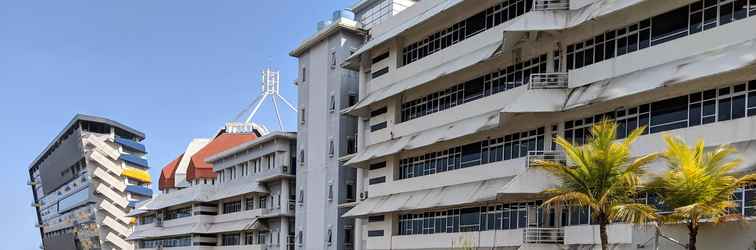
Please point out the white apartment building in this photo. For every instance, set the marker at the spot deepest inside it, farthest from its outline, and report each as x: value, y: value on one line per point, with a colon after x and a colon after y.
x: 324, y: 135
x: 86, y: 181
x: 248, y: 202
x: 456, y: 97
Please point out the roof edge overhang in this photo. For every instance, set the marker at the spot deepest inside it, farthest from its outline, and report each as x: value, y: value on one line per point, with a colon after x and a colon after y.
x: 340, y: 25
x: 82, y: 117
x: 263, y: 139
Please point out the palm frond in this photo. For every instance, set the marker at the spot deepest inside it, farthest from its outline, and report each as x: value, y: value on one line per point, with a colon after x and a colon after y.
x: 633, y: 213
x: 574, y: 198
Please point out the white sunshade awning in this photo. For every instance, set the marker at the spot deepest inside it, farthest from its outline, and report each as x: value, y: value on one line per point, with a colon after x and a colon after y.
x: 232, y: 189
x: 538, y: 101
x: 565, y: 19
x: 531, y: 21
x: 186, y: 195
x: 449, y: 131
x: 533, y: 181
x: 450, y: 66
x: 403, y: 26
x: 158, y: 232
x: 746, y: 152
x: 713, y: 62
x: 447, y: 196
x: 199, y: 193
x: 234, y: 226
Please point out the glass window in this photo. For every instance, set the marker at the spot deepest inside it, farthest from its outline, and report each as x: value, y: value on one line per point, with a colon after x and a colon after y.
x: 726, y: 13
x: 669, y: 114
x: 249, y: 203
x: 232, y: 207
x: 749, y: 198
x: 231, y: 239
x: 669, y: 26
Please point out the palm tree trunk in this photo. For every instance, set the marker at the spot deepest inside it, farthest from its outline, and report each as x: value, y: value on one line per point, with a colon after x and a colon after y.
x: 602, y: 232
x: 692, y: 235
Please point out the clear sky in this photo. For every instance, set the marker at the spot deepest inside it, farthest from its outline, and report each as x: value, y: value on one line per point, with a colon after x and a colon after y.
x: 174, y: 69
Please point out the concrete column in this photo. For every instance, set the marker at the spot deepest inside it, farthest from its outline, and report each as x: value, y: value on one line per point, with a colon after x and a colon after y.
x: 358, y: 226
x: 284, y: 200
x: 283, y: 242
x: 358, y: 222
x: 360, y: 183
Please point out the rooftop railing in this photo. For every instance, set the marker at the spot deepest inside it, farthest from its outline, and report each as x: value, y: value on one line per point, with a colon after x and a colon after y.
x: 556, y: 156
x: 556, y: 80
x: 551, y: 5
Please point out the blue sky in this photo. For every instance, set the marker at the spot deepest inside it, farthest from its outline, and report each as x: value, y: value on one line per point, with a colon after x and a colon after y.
x: 174, y: 69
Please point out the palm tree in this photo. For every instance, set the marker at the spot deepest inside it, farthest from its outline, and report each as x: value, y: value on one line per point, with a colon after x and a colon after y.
x: 601, y: 176
x: 698, y: 185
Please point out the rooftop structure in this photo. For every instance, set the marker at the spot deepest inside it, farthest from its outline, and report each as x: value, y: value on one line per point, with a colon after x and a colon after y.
x: 270, y: 88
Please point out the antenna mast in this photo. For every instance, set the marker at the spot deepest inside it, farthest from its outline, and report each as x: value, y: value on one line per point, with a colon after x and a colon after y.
x: 270, y: 89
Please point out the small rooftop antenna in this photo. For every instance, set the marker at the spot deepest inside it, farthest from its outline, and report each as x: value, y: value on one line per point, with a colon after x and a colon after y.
x: 270, y: 88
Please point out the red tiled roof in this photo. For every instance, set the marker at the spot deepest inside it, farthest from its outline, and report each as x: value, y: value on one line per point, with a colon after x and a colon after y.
x: 168, y: 174
x: 198, y: 168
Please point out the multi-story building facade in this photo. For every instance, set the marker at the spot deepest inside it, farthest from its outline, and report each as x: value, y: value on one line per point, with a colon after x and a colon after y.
x: 324, y: 135
x: 456, y: 97
x: 248, y: 203
x: 86, y: 181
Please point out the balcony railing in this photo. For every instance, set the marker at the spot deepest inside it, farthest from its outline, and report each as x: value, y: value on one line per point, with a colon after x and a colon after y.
x: 551, y: 5
x: 557, y: 80
x: 537, y: 235
x: 556, y: 156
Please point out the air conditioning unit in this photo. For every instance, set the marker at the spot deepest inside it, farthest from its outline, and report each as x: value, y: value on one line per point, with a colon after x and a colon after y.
x: 363, y: 196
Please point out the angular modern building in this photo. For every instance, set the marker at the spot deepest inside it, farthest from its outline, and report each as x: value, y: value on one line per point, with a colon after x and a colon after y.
x: 238, y: 194
x: 456, y: 97
x: 86, y: 182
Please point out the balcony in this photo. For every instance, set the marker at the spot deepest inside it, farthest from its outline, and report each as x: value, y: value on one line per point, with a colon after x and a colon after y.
x: 555, y: 156
x: 544, y: 5
x: 537, y: 235
x: 556, y: 80
x: 277, y: 173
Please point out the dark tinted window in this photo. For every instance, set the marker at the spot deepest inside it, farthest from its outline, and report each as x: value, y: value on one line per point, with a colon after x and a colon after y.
x: 380, y: 57
x: 375, y: 233
x: 377, y: 180
x: 669, y: 26
x: 379, y: 165
x: 378, y: 126
x: 379, y: 73
x: 378, y: 112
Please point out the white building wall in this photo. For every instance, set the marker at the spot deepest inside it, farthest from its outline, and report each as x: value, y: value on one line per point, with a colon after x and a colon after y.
x: 528, y: 46
x: 321, y: 179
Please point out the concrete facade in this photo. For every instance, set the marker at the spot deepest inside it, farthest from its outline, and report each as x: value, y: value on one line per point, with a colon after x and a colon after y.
x: 469, y: 91
x: 248, y: 205
x: 324, y: 136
